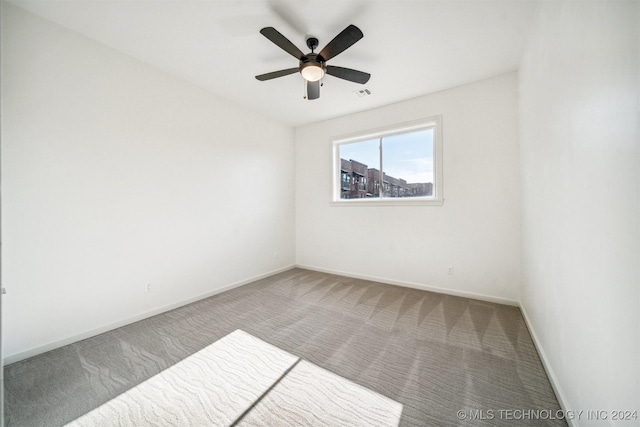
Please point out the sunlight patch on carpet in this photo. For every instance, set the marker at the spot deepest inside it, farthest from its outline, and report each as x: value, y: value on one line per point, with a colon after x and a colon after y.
x: 242, y: 380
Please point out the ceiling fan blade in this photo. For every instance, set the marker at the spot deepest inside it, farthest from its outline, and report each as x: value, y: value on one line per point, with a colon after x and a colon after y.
x: 313, y: 90
x: 348, y: 74
x: 274, y: 74
x: 282, y: 42
x: 348, y: 37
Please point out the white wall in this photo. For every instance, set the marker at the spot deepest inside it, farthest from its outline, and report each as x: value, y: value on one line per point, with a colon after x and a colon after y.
x: 580, y: 162
x: 476, y: 230
x: 115, y: 175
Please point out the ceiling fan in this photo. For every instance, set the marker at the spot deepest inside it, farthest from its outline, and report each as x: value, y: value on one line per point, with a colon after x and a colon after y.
x: 313, y: 65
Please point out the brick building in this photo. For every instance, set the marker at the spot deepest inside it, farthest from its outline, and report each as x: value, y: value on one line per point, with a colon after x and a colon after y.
x: 353, y: 184
x: 358, y: 181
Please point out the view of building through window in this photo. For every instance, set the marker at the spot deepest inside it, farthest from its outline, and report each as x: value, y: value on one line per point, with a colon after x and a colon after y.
x: 405, y: 159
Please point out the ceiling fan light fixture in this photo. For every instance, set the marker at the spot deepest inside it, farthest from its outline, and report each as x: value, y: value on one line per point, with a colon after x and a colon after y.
x: 312, y: 72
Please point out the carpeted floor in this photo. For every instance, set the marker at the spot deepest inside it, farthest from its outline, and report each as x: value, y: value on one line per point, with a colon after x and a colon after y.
x: 436, y: 354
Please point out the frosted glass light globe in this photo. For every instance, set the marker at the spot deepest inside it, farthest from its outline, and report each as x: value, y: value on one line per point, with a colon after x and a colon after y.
x: 312, y: 73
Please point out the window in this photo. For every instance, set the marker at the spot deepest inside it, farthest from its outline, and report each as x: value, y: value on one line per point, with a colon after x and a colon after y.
x: 395, y: 165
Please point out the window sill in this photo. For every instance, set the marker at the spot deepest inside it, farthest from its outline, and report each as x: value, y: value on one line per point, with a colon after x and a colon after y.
x: 386, y: 202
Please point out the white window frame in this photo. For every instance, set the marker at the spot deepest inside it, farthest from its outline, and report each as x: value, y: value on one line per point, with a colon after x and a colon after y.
x: 437, y: 199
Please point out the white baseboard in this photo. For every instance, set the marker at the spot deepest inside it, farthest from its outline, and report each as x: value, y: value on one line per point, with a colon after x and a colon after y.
x: 420, y: 286
x: 88, y: 334
x: 553, y: 379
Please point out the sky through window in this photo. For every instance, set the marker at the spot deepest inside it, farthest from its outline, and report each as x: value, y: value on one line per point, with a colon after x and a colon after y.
x: 407, y: 156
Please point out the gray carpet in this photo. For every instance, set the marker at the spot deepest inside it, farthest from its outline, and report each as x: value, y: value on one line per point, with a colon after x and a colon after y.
x: 433, y: 353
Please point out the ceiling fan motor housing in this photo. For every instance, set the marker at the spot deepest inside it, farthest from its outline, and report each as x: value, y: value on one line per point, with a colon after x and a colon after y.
x: 312, y: 60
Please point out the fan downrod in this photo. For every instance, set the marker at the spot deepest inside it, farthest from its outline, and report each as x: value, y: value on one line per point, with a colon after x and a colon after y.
x: 312, y: 43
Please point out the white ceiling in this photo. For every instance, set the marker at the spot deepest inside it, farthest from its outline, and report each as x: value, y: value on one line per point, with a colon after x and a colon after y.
x: 411, y: 48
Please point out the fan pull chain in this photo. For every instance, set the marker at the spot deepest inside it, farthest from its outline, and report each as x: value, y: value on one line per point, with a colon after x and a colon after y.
x: 304, y: 90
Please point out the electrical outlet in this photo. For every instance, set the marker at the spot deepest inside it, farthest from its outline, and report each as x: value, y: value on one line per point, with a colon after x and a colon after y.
x: 450, y: 271
x: 147, y: 288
